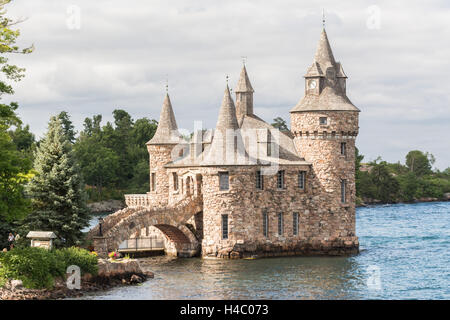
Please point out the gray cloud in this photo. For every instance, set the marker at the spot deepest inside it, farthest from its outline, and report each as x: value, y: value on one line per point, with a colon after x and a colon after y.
x: 120, y: 56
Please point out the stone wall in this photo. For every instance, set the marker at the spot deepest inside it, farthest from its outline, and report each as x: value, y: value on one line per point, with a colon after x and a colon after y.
x: 159, y: 156
x: 244, y: 204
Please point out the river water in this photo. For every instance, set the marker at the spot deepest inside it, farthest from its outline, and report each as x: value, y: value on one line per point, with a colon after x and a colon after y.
x: 405, y: 254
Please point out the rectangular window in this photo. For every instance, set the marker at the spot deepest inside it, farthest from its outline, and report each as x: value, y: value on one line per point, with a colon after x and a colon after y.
x: 265, y: 224
x: 295, y: 223
x: 280, y: 224
x: 280, y: 179
x: 269, y: 143
x: 224, y: 226
x: 343, y: 191
x: 175, y: 181
x: 301, y: 180
x: 224, y: 181
x: 323, y: 120
x: 343, y: 148
x: 153, y: 178
x: 259, y: 180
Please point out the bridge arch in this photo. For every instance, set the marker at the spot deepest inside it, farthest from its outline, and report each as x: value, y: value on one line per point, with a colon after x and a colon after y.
x: 181, y: 240
x: 170, y: 220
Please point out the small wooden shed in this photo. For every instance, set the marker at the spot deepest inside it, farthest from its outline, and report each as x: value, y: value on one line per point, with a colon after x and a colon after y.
x: 41, y: 239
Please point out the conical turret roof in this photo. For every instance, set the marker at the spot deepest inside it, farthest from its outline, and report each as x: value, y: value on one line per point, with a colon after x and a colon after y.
x: 226, y: 146
x: 167, y: 131
x: 244, y: 84
x: 227, y: 114
x: 324, y: 55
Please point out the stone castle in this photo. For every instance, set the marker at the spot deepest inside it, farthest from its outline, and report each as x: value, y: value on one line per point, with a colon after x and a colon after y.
x: 246, y: 188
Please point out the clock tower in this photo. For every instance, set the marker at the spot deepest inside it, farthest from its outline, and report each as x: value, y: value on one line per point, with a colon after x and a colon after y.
x: 325, y: 125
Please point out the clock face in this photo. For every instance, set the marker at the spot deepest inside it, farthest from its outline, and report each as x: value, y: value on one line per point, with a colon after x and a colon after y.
x: 312, y: 84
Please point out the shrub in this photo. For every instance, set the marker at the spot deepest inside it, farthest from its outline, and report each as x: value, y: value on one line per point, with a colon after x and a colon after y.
x: 79, y: 257
x: 31, y: 265
x: 38, y: 267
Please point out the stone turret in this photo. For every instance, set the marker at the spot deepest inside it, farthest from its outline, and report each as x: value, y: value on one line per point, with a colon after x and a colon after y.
x: 325, y: 125
x: 160, y: 149
x: 244, y: 96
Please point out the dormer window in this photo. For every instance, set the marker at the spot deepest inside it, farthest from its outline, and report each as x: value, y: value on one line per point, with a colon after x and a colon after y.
x: 323, y: 121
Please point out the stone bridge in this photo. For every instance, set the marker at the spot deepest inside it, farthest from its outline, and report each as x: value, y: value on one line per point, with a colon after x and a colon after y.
x: 171, y: 220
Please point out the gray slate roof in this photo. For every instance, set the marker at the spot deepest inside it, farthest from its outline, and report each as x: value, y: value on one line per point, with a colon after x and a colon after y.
x: 226, y: 133
x: 332, y: 97
x: 167, y: 131
x: 244, y: 84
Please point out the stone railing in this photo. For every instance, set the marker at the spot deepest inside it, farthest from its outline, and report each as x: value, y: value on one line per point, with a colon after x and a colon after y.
x: 137, y: 200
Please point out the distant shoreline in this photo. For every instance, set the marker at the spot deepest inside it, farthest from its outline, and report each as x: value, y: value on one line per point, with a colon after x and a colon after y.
x: 421, y: 200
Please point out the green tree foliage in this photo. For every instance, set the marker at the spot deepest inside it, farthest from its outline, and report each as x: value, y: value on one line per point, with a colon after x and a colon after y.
x: 67, y: 125
x: 280, y: 124
x: 358, y: 159
x: 99, y: 164
x: 13, y: 164
x: 392, y: 182
x: 57, y: 189
x: 386, y: 186
x: 419, y: 163
x: 115, y: 155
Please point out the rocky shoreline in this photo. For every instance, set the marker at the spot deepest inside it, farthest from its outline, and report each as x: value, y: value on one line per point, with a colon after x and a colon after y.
x: 110, y: 274
x: 106, y: 206
x: 371, y: 202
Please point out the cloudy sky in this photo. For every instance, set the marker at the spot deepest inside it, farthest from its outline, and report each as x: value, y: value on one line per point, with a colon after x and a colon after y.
x: 92, y: 57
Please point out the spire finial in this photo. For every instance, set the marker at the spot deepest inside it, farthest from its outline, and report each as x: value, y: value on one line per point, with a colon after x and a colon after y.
x: 323, y: 18
x: 244, y: 60
x: 167, y: 83
x: 227, y: 78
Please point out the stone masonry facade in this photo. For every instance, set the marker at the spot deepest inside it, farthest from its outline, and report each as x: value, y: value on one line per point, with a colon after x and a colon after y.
x: 294, y: 195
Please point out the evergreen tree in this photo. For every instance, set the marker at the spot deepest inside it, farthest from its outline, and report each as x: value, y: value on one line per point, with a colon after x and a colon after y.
x: 67, y: 125
x: 57, y: 190
x: 280, y: 124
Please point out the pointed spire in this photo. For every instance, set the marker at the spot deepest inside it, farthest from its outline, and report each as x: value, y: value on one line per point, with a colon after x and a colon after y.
x: 244, y: 84
x: 226, y: 146
x: 227, y: 114
x: 167, y: 131
x: 324, y: 55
